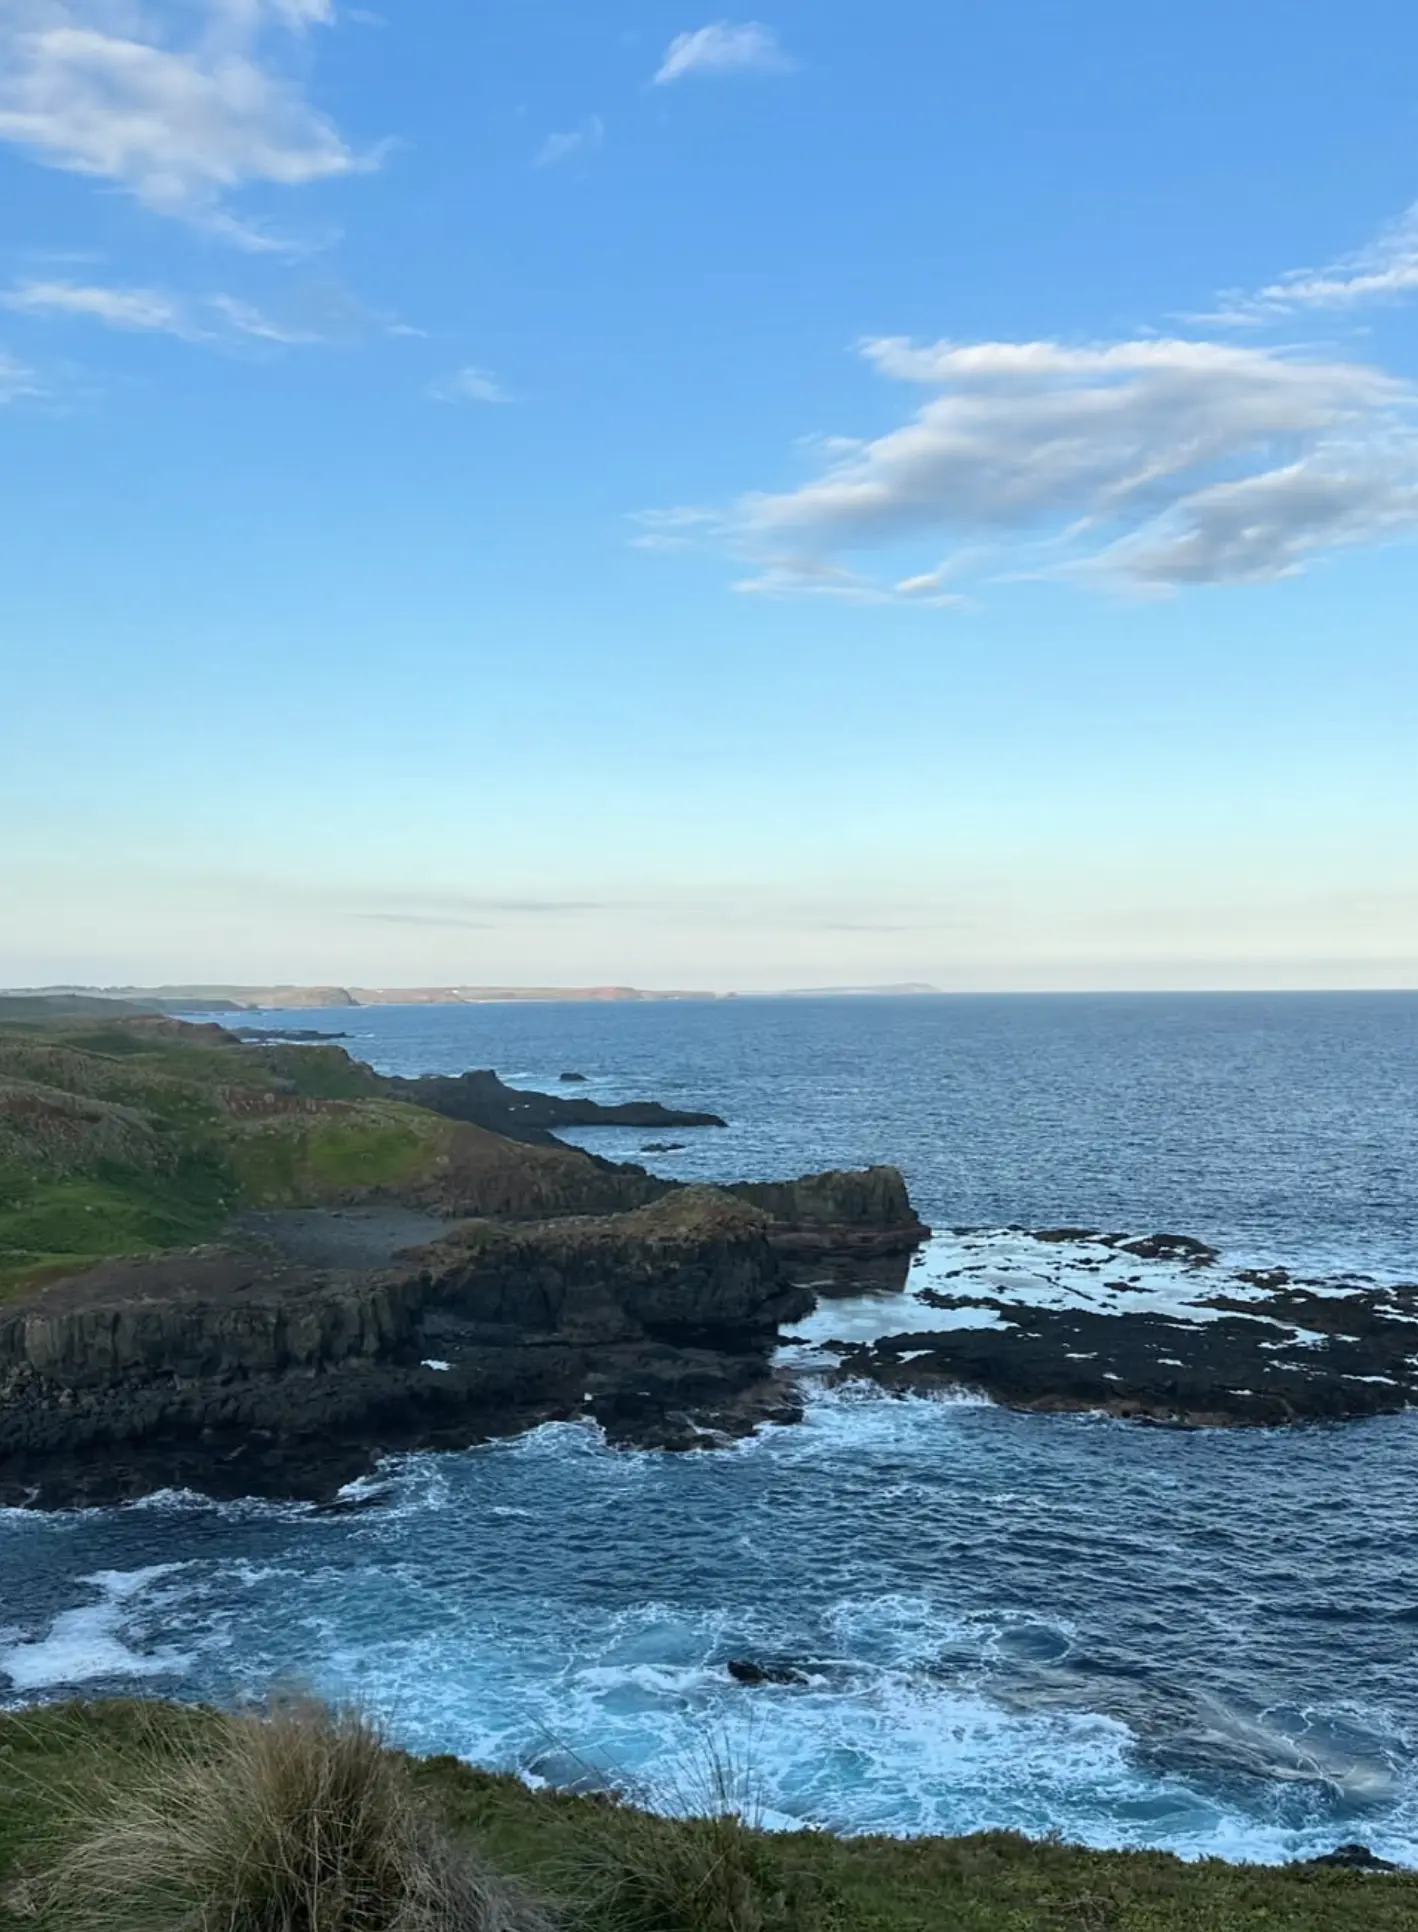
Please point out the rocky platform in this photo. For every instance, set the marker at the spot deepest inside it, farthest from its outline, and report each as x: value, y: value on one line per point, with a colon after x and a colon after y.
x: 1155, y: 1328
x: 252, y: 1267
x: 271, y: 1366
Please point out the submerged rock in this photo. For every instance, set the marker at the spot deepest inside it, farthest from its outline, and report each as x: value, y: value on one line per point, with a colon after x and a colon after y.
x: 744, y: 1671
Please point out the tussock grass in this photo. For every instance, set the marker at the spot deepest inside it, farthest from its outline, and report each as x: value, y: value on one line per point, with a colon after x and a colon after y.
x: 297, y: 1821
x: 710, y: 1868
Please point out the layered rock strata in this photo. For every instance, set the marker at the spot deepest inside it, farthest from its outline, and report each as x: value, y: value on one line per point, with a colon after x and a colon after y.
x: 249, y: 1372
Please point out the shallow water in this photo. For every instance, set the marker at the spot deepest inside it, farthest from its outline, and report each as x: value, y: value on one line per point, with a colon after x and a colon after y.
x: 1132, y: 1636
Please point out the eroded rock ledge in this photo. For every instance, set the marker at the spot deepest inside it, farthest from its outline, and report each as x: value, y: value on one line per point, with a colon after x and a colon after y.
x: 255, y: 1369
x: 1152, y: 1328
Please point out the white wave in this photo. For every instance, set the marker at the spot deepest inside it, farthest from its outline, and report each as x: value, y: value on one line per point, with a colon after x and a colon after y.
x: 85, y: 1644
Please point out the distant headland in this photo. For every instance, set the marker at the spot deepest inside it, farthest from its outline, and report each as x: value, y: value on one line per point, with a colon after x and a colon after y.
x: 239, y: 999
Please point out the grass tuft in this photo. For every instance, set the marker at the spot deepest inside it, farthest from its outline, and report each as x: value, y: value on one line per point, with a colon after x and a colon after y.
x: 710, y: 1869
x: 299, y: 1821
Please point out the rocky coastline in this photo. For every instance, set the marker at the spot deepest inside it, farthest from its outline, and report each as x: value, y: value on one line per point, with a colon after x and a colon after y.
x: 393, y: 1264
x: 1154, y: 1329
x: 245, y: 1369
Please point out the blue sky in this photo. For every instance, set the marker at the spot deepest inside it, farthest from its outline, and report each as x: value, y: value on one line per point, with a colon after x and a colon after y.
x: 566, y: 493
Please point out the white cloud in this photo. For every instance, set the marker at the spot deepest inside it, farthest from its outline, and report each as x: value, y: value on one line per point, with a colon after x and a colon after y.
x: 681, y: 528
x: 723, y: 49
x: 214, y: 319
x: 108, y: 90
x: 470, y: 385
x: 1383, y: 271
x: 577, y: 140
x: 17, y: 379
x: 246, y: 319
x: 1143, y: 464
x: 119, y: 308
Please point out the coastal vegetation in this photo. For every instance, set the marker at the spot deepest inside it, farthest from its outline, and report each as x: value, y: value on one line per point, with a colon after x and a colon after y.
x: 140, y: 1135
x: 144, y: 1817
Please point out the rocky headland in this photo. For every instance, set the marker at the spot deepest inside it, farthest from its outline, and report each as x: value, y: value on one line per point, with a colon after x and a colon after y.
x: 254, y: 1267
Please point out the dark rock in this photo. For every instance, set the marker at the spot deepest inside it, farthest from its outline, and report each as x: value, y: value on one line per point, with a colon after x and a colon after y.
x: 662, y: 1147
x: 573, y: 1079
x: 744, y: 1671
x: 256, y: 1035
x: 841, y: 1233
x: 1353, y: 1858
x: 1164, y: 1247
x: 240, y: 1372
x: 1251, y: 1366
x: 484, y: 1100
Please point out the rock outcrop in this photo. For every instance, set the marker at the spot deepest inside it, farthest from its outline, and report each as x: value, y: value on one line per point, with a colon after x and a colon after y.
x: 1298, y: 1355
x: 483, y: 1099
x: 343, y: 1264
x: 840, y: 1233
x: 243, y: 1372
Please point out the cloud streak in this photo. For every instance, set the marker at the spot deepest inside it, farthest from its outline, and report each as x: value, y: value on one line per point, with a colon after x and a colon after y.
x: 142, y: 309
x: 1141, y: 465
x: 178, y: 119
x: 17, y: 379
x: 1384, y: 271
x: 215, y: 319
x: 723, y: 48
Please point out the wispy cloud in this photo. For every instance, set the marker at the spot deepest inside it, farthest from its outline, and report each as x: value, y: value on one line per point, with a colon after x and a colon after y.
x: 323, y: 314
x: 723, y: 48
x: 585, y: 139
x: 17, y: 379
x: 118, y: 308
x: 470, y: 385
x: 246, y: 319
x: 681, y: 528
x: 1384, y: 271
x: 426, y: 919
x: 179, y: 105
x: 1141, y: 465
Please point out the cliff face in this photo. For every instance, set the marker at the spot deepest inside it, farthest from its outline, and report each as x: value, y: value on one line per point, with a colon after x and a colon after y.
x: 873, y: 1198
x: 241, y: 1373
x: 212, y: 1313
x: 161, y: 1324
x: 695, y: 1265
x: 840, y: 1233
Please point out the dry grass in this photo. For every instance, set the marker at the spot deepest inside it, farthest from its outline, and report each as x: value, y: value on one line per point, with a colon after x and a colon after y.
x: 299, y: 1821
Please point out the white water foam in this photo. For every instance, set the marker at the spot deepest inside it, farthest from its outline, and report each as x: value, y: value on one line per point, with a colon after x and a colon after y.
x: 86, y: 1644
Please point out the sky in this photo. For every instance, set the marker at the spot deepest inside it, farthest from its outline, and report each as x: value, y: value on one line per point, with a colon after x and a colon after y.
x: 582, y: 491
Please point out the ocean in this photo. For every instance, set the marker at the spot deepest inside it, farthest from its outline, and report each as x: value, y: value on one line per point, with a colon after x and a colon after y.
x: 1200, y: 1640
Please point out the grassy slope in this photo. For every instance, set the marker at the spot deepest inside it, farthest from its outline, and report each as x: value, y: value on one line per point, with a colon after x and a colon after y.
x: 59, y: 1760
x: 126, y: 1138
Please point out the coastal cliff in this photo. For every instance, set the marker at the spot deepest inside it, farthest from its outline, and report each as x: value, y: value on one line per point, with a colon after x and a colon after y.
x: 254, y: 1268
x: 245, y: 1372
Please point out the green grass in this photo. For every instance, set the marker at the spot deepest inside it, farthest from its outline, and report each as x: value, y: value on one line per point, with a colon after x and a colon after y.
x: 204, y: 1127
x: 608, y: 1868
x: 54, y: 1227
x: 309, y: 1158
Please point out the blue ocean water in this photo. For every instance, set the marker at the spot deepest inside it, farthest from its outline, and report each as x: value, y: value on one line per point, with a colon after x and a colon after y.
x: 1199, y: 1640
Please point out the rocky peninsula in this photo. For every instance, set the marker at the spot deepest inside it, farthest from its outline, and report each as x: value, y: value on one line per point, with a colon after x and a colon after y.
x: 252, y: 1267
